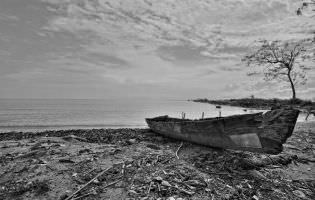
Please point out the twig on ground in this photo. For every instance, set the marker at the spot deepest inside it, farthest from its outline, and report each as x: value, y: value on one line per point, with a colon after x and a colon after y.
x: 183, y: 190
x: 157, y: 159
x: 176, y: 153
x: 149, y: 187
x: 88, y: 172
x: 98, y: 175
x: 31, y: 153
x: 123, y: 172
x: 88, y: 183
x: 123, y: 168
x: 218, y: 173
x: 80, y: 197
x: 113, y: 183
x: 69, y: 137
x: 85, y: 195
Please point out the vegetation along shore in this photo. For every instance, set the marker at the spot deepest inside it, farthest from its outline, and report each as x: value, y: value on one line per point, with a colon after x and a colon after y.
x: 258, y: 103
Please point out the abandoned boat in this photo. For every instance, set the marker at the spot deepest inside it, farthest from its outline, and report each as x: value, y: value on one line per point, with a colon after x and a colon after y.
x: 258, y: 132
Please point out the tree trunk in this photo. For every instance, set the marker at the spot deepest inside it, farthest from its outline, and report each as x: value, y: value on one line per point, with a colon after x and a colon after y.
x: 292, y: 86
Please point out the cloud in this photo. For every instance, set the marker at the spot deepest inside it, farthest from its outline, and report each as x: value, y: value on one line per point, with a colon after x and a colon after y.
x: 233, y: 49
x: 231, y: 87
x: 6, y: 17
x: 195, y: 46
x: 183, y: 55
x: 231, y: 68
x: 218, y: 28
x: 97, y: 58
x: 170, y: 22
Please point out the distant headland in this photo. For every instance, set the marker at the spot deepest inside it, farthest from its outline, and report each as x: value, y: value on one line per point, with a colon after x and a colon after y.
x: 259, y: 103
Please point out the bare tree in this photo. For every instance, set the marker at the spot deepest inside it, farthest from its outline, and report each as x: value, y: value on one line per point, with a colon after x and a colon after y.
x: 280, y: 62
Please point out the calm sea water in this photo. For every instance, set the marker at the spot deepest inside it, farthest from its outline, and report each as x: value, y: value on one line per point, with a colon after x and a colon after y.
x: 53, y: 114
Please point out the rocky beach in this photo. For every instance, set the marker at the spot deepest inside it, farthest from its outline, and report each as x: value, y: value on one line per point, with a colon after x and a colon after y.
x: 139, y: 164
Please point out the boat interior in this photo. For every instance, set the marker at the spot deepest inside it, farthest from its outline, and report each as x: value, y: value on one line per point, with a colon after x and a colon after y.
x: 166, y: 118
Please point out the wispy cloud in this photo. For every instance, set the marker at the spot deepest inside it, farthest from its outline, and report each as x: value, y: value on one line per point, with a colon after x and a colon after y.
x: 201, y: 24
x: 6, y: 17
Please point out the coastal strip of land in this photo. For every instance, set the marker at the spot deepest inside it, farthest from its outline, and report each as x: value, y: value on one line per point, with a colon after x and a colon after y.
x: 139, y: 164
x: 264, y: 104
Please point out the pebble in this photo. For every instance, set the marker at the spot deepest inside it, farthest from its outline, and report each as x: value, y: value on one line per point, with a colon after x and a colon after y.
x: 165, y: 183
x: 257, y: 174
x: 131, y: 141
x: 153, y: 146
x: 158, y: 179
x: 96, y: 181
x: 42, y: 162
x: 299, y: 193
x: 159, y: 139
x: 132, y: 191
x: 65, y: 195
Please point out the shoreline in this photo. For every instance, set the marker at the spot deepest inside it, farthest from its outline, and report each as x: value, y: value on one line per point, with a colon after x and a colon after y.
x: 90, y: 130
x: 55, y: 131
x: 37, y: 129
x: 144, y: 165
x: 91, y: 134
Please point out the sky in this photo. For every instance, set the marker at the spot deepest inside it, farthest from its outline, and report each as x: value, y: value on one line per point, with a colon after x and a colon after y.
x: 177, y: 49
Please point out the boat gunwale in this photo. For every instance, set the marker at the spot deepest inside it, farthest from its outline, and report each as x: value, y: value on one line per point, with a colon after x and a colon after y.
x: 199, y: 120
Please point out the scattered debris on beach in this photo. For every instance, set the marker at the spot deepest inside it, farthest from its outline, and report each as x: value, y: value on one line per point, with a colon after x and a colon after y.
x: 139, y: 164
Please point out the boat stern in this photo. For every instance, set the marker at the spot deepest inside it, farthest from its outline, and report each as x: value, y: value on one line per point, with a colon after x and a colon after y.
x: 277, y: 127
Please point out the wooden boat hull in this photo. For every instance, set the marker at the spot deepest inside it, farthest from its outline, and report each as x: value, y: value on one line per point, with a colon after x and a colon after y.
x: 250, y: 132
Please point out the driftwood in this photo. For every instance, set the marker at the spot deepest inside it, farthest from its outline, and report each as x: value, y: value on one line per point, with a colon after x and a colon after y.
x: 183, y: 190
x: 88, y: 183
x: 38, y: 152
x: 112, y: 183
x: 85, y: 195
x: 71, y: 137
x: 176, y: 153
x: 149, y: 187
x: 251, y: 163
x: 82, y: 196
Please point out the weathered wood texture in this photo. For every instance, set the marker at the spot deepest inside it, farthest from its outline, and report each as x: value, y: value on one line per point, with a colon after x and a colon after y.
x: 251, y: 132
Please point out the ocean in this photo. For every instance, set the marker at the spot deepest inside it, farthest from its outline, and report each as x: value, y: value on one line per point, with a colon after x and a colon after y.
x: 56, y: 114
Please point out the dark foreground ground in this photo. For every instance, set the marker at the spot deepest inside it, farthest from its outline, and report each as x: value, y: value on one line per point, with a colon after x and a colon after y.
x: 138, y: 164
